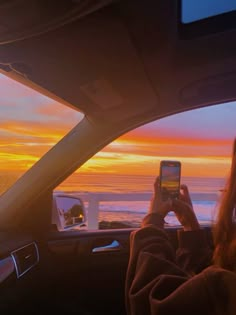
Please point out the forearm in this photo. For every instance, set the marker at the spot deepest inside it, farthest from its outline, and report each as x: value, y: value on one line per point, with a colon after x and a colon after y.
x: 152, y: 257
x: 154, y: 219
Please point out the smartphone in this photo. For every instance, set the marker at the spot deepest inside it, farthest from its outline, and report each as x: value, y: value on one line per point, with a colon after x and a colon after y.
x: 170, y: 172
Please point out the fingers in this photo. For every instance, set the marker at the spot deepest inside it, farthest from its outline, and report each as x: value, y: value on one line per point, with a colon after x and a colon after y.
x: 179, y: 205
x: 185, y: 214
x: 182, y: 209
x: 185, y: 191
x: 157, y: 204
x: 184, y: 187
x: 156, y: 185
x: 185, y: 196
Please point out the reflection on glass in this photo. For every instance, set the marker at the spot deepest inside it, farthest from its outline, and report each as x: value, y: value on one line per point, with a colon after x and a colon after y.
x: 71, y: 210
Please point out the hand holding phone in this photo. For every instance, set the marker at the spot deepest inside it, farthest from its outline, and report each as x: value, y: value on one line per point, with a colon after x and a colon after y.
x: 170, y: 172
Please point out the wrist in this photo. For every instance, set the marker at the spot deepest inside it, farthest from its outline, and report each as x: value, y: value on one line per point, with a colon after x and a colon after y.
x: 153, y: 218
x: 193, y: 227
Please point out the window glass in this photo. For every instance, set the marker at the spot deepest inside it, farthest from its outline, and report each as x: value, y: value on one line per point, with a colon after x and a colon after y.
x: 193, y: 10
x: 118, y: 181
x: 30, y: 124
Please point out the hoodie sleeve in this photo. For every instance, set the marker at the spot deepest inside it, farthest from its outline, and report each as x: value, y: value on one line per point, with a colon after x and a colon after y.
x: 152, y: 269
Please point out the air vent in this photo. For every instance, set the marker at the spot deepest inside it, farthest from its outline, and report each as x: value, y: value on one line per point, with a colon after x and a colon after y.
x: 25, y: 258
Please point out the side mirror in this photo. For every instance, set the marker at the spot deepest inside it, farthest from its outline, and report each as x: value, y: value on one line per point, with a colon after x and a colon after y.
x: 68, y: 212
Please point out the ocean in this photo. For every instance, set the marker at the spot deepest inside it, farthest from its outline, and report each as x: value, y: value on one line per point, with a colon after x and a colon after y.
x: 202, y: 191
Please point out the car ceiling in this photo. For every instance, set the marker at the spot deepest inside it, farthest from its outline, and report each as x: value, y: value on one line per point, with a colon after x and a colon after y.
x: 115, y: 59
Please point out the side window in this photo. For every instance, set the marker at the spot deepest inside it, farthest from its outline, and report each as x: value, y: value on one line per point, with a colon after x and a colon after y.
x: 115, y: 186
x: 30, y: 125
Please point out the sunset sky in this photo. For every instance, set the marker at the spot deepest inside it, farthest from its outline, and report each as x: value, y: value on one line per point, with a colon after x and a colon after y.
x: 31, y: 124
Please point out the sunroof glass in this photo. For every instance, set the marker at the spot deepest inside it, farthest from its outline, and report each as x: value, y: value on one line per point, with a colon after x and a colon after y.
x: 193, y: 10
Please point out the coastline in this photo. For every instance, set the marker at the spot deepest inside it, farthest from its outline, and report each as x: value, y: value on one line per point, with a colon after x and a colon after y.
x: 105, y: 225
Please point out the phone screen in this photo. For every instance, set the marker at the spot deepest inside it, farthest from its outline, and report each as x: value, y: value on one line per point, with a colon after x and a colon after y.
x: 170, y: 179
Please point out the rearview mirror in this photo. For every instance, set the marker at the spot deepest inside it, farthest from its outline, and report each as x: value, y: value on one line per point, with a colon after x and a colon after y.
x: 68, y: 212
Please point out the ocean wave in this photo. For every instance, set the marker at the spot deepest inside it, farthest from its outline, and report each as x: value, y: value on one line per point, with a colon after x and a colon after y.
x: 205, y: 212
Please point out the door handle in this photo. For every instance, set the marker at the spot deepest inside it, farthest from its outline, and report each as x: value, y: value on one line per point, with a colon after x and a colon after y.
x: 113, y: 247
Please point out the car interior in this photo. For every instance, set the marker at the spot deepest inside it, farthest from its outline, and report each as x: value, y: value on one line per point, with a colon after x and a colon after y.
x: 122, y: 64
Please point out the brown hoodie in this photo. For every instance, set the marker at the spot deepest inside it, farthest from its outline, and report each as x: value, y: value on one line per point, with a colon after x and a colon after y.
x: 161, y: 281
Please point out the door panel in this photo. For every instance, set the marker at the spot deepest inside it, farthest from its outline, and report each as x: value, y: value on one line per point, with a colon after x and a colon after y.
x: 78, y: 272
x: 88, y: 270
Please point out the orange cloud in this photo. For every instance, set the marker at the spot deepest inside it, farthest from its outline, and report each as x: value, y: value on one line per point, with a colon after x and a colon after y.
x: 180, y: 148
x: 132, y: 164
x: 22, y: 144
x: 37, y: 129
x: 66, y: 115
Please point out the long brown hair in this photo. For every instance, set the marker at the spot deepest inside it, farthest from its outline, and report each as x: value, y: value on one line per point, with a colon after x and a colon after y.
x: 224, y: 232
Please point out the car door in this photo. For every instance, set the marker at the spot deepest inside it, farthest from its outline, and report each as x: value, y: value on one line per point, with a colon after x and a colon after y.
x: 72, y: 271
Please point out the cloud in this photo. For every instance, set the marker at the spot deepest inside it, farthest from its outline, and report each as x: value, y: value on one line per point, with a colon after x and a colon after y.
x: 169, y: 146
x: 60, y: 112
x: 22, y: 103
x: 36, y: 129
x: 131, y: 164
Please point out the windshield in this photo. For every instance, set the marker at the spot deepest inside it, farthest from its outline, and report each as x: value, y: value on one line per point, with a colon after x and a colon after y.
x: 30, y: 124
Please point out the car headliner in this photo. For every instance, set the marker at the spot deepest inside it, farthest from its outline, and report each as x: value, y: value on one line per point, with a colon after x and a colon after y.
x: 122, y: 63
x: 120, y: 60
